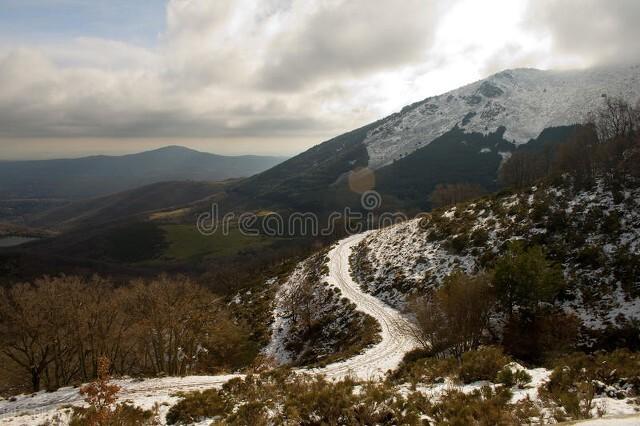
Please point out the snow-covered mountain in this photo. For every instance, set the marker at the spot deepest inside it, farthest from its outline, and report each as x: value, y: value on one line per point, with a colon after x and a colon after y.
x: 524, y: 101
x: 460, y: 136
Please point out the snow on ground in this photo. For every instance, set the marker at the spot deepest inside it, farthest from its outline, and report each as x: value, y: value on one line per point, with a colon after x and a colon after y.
x: 632, y: 420
x: 435, y: 390
x: 36, y: 408
x: 403, y: 253
x: 371, y: 364
x: 613, y: 409
x: 280, y: 328
x: 405, y: 258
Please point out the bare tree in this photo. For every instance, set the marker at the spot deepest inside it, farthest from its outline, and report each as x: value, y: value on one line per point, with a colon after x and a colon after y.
x: 25, y: 332
x: 55, y: 330
x: 616, y: 119
x: 430, y: 328
x: 454, y: 318
x: 181, y: 327
x: 578, y: 156
x: 298, y: 302
x: 523, y: 169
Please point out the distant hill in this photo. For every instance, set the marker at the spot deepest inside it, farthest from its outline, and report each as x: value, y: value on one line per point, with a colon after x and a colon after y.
x: 97, y: 176
x: 125, y: 227
x: 125, y: 205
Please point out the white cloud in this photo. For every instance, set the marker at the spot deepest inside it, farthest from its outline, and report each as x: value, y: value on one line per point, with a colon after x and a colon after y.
x: 292, y: 69
x: 208, y: 76
x: 343, y: 38
x: 595, y: 31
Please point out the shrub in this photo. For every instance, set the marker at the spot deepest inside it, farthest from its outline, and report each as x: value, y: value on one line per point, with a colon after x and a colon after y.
x: 479, y: 237
x: 283, y: 397
x: 535, y: 336
x: 611, y: 224
x: 418, y: 367
x: 455, y: 317
x: 102, y: 410
x: 124, y: 414
x: 458, y: 243
x: 626, y: 268
x: 508, y: 377
x: 624, y: 334
x: 557, y: 222
x: 571, y: 388
x: 481, y: 407
x: 197, y: 406
x: 253, y: 413
x: 592, y: 256
x: 524, y: 278
x: 576, y: 378
x: 482, y: 364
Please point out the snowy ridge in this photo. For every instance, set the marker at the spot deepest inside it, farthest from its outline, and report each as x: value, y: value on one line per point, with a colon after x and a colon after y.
x: 599, y: 229
x: 524, y: 101
x: 402, y: 258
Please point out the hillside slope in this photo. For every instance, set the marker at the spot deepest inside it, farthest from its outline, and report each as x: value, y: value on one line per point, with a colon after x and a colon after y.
x: 459, y: 136
x: 353, y: 306
x: 593, y: 233
x: 112, y: 208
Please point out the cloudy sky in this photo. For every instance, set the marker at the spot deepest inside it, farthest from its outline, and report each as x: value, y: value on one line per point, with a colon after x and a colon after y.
x: 267, y: 76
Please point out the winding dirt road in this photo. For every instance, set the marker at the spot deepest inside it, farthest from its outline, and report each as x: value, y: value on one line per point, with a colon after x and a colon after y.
x: 395, y: 342
x: 371, y: 364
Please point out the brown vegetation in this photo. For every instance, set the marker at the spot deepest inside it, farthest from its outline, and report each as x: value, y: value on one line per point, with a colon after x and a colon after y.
x: 103, y: 409
x: 454, y: 318
x: 55, y: 330
x: 324, y: 327
x: 608, y: 145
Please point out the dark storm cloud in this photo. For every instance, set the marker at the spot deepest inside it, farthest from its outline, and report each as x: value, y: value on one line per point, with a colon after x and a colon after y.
x: 224, y: 69
x: 602, y: 31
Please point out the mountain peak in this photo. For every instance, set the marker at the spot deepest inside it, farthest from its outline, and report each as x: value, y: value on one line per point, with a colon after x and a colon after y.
x: 524, y: 100
x: 173, y: 149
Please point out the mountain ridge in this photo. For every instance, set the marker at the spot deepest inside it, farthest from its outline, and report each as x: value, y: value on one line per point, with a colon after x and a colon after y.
x: 95, y: 176
x: 526, y: 102
x: 162, y: 149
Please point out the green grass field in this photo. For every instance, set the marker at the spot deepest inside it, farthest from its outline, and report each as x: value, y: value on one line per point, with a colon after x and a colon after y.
x: 186, y: 243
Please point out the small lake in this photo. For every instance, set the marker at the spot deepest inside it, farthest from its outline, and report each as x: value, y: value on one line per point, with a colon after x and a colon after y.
x: 15, y: 241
